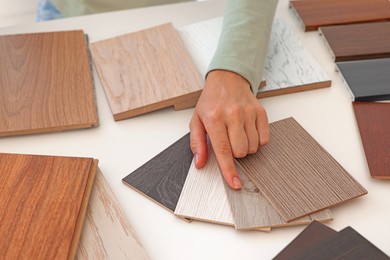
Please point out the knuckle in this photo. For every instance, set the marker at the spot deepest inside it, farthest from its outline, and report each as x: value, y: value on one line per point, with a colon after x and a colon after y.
x: 223, y: 148
x: 240, y: 154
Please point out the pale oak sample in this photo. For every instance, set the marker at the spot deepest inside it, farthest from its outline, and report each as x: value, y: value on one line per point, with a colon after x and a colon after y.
x: 145, y: 71
x: 45, y: 83
x: 43, y: 202
x: 107, y: 234
x: 297, y: 175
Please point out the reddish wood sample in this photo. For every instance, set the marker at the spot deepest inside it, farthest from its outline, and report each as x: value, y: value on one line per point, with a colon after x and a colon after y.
x: 358, y: 41
x: 373, y: 120
x: 45, y: 83
x: 43, y: 202
x: 314, y: 14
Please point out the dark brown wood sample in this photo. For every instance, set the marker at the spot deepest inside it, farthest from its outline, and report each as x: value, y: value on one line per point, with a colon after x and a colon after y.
x: 368, y: 80
x: 346, y: 244
x: 310, y: 236
x: 162, y: 178
x: 297, y: 175
x: 373, y: 120
x: 314, y: 14
x: 358, y: 41
x: 45, y: 83
x: 43, y: 202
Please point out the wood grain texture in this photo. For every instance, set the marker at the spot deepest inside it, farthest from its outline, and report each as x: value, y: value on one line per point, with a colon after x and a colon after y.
x: 45, y: 83
x: 373, y: 121
x: 312, y: 235
x: 358, y: 41
x: 107, y: 234
x: 345, y: 244
x: 367, y: 80
x: 251, y: 209
x: 145, y: 71
x: 43, y: 202
x: 296, y: 175
x: 314, y: 14
x: 161, y: 179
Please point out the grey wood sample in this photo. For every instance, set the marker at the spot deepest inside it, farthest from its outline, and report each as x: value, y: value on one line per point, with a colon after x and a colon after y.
x: 161, y: 179
x: 297, y: 175
x: 367, y: 80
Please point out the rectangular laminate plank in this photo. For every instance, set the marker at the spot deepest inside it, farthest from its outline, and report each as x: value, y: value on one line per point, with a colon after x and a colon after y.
x: 314, y: 14
x: 106, y: 233
x: 358, y: 41
x: 145, y: 71
x: 297, y: 175
x: 373, y: 121
x: 367, y: 80
x: 45, y: 83
x: 43, y: 202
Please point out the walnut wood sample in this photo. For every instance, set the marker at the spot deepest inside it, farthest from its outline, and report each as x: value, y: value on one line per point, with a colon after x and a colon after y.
x: 45, y: 83
x: 145, y: 71
x: 314, y: 14
x: 373, y: 120
x: 161, y: 179
x: 310, y: 236
x: 358, y: 41
x: 107, y: 234
x: 367, y: 80
x: 43, y: 201
x: 296, y: 175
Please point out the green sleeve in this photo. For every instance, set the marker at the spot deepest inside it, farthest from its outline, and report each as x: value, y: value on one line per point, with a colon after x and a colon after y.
x: 243, y: 43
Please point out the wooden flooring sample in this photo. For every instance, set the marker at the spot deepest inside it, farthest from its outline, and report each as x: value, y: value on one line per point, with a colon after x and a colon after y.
x: 45, y: 83
x: 310, y: 236
x: 358, y: 41
x: 107, y: 234
x: 346, y: 244
x: 373, y: 120
x: 161, y: 179
x: 367, y: 80
x: 43, y: 201
x: 145, y: 71
x: 314, y: 14
x: 296, y: 175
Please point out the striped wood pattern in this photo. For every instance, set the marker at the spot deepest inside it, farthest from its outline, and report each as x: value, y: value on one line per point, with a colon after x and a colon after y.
x: 296, y: 175
x: 314, y: 14
x: 43, y: 202
x: 358, y: 41
x: 251, y: 209
x: 373, y: 121
x: 107, y: 234
x: 145, y: 71
x: 45, y: 83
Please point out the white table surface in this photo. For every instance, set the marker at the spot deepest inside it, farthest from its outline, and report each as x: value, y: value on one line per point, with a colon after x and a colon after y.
x: 123, y: 146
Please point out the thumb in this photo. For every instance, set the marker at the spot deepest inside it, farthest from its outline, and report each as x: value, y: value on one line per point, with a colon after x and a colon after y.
x: 198, y: 141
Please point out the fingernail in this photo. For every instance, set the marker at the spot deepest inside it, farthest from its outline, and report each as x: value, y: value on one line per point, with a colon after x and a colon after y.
x: 236, y: 183
x: 196, y: 159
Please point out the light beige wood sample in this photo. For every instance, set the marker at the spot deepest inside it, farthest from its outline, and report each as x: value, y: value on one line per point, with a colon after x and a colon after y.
x: 296, y: 175
x: 145, y: 71
x: 107, y: 234
x: 45, y: 83
x: 251, y: 209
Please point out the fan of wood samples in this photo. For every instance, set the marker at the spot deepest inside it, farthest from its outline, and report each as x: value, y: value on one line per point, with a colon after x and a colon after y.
x: 45, y: 83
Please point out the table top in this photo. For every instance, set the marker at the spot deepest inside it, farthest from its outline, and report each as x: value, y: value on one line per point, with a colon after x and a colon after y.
x: 123, y: 146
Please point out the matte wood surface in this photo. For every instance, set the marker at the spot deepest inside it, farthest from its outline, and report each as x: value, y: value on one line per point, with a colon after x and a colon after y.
x: 297, y: 175
x: 358, y: 41
x: 345, y: 244
x: 161, y: 179
x: 373, y: 121
x: 43, y: 202
x: 367, y: 80
x: 310, y: 236
x: 107, y: 234
x: 314, y: 14
x: 145, y: 71
x: 45, y: 83
x: 251, y: 209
